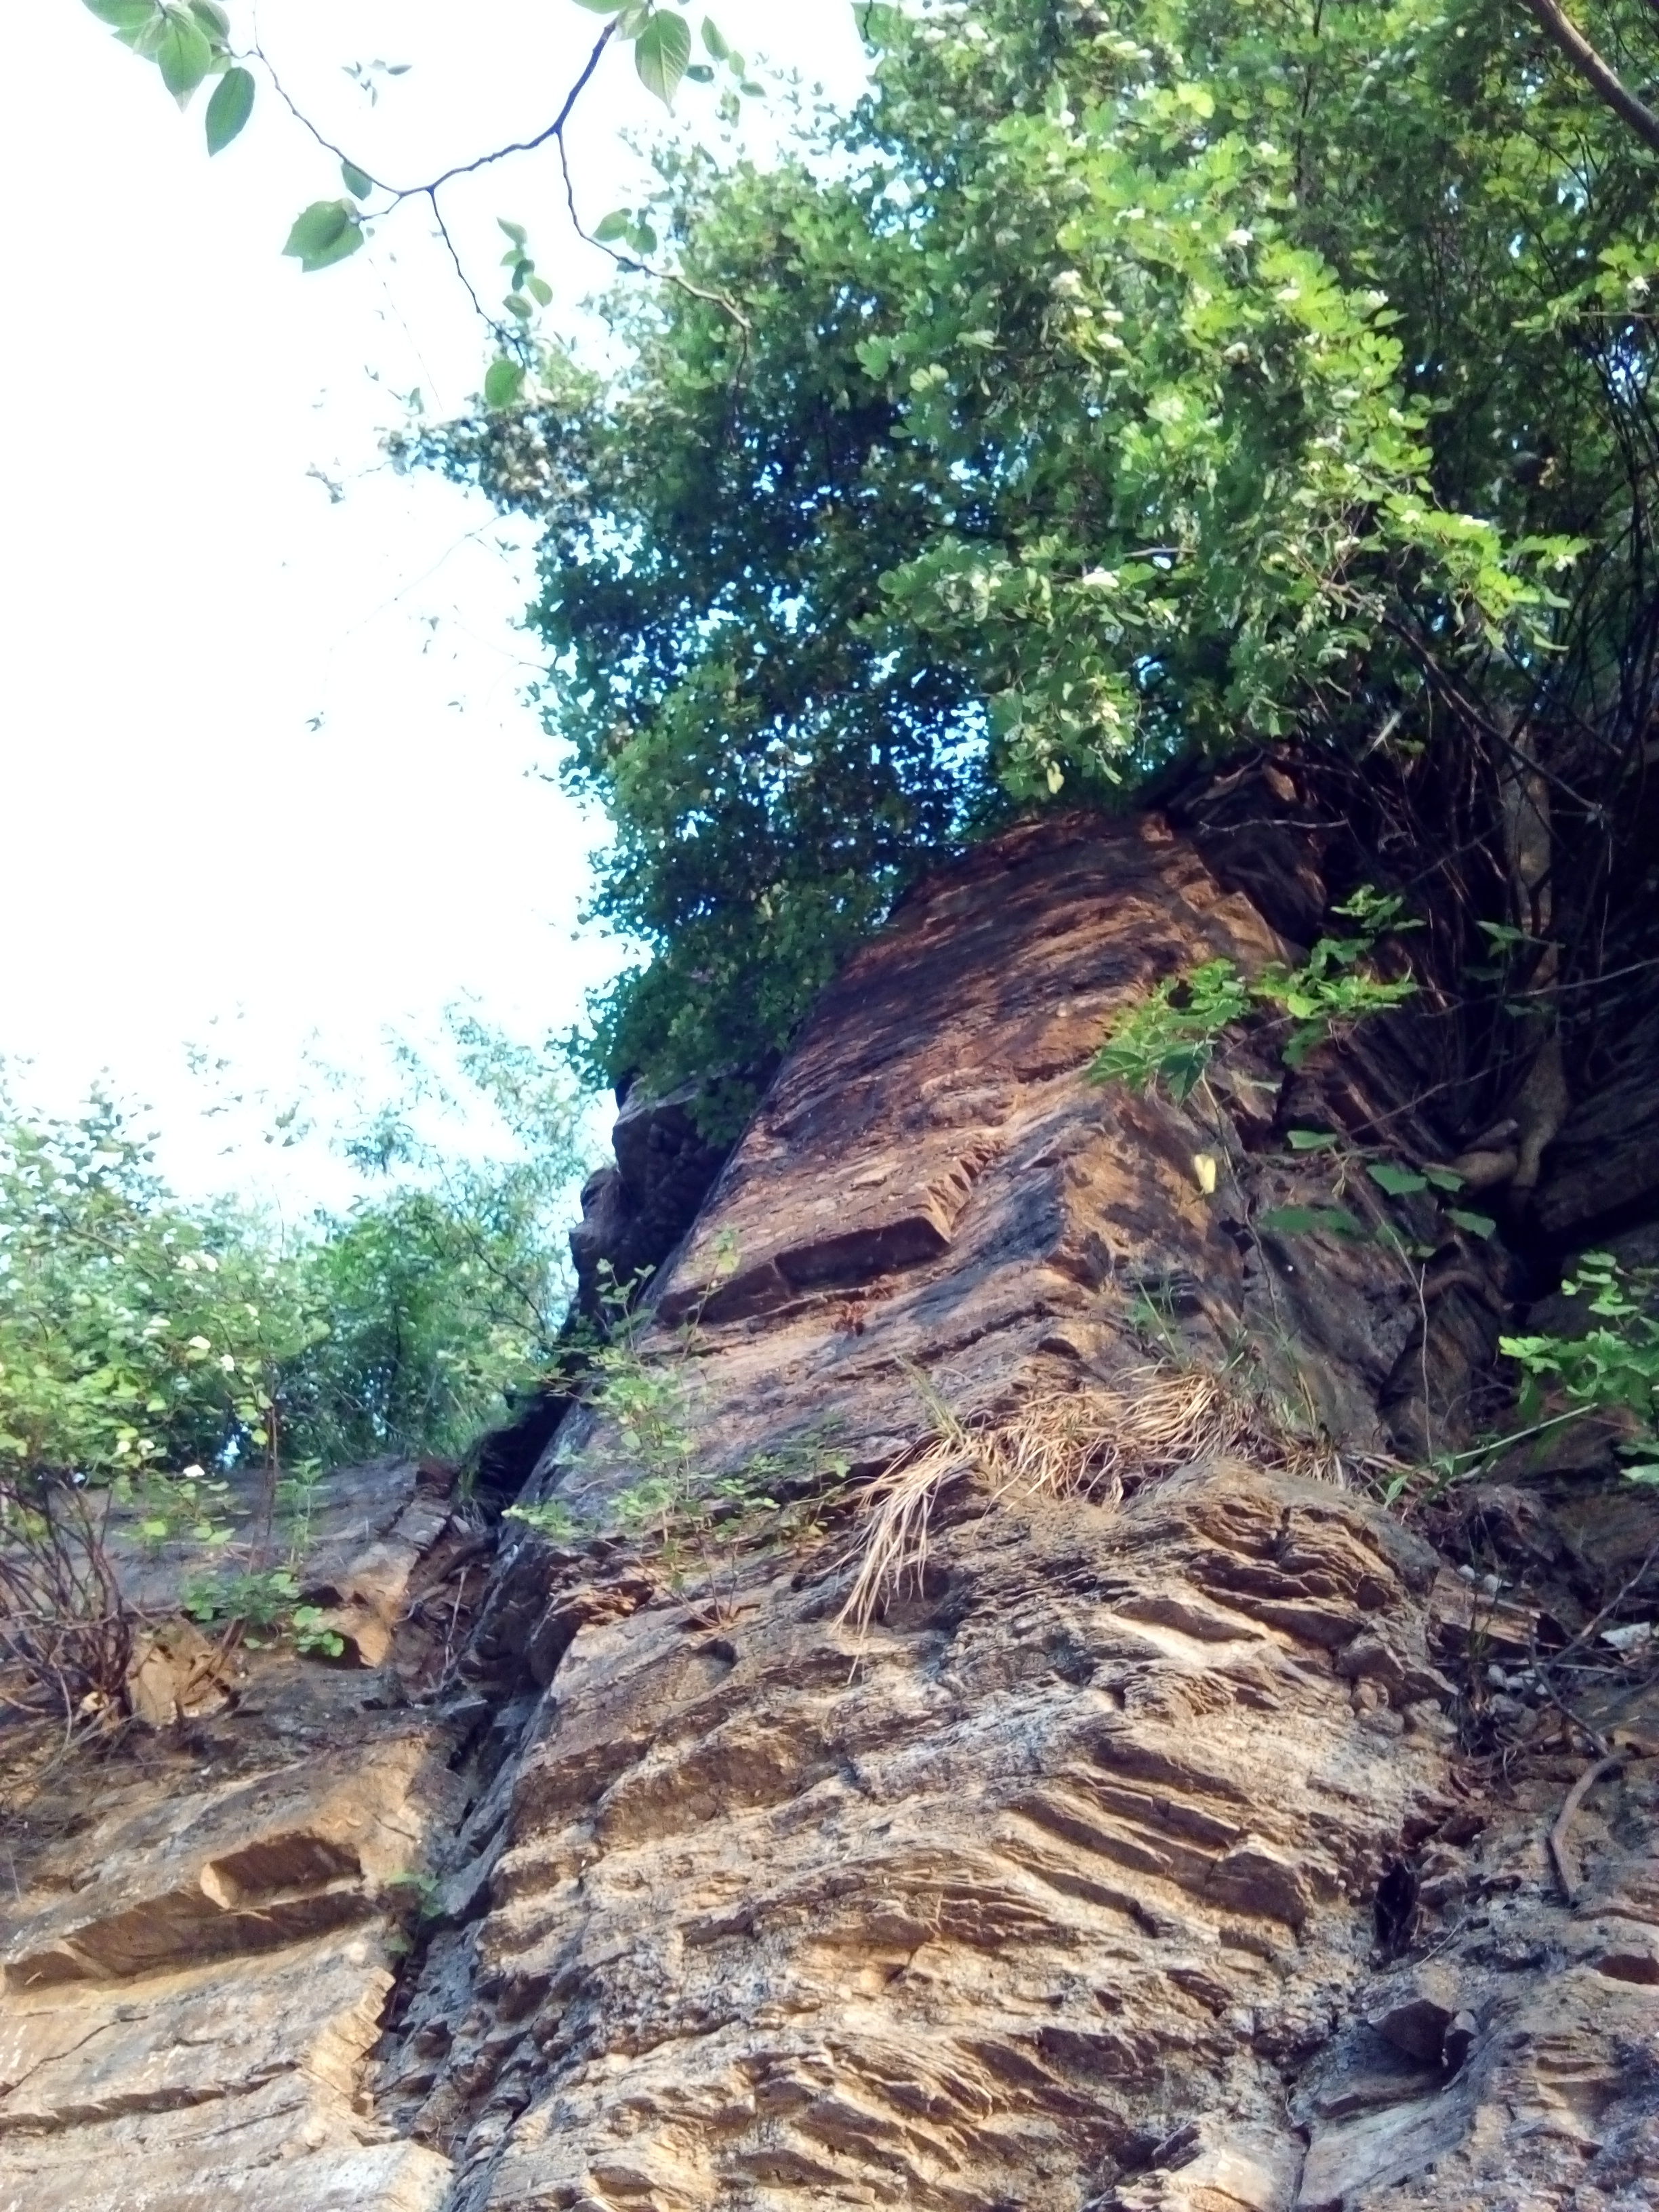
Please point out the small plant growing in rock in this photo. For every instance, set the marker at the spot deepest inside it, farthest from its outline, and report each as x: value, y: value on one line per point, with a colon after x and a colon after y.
x: 1170, y: 1038
x: 549, y: 1518
x: 264, y: 1603
x: 259, y: 1599
x: 1612, y: 1369
x: 646, y: 1386
x: 312, y: 1637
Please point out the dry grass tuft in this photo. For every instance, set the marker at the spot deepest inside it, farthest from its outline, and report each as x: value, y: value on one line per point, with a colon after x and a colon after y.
x: 1095, y: 1444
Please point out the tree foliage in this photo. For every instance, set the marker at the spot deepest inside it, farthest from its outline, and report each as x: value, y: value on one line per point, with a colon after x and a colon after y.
x: 1115, y: 388
x: 146, y: 1341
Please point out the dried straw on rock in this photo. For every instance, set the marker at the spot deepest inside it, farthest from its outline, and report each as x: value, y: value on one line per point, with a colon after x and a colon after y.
x: 1097, y: 1444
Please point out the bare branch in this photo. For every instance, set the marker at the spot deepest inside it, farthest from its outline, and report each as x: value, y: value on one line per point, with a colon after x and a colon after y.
x: 628, y: 262
x: 554, y: 129
x: 1602, y: 79
x: 430, y: 191
x: 554, y: 134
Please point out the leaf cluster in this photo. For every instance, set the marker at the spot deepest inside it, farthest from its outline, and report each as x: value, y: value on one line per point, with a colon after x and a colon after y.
x: 661, y: 39
x: 1169, y: 1039
x: 189, y: 41
x: 1612, y: 1368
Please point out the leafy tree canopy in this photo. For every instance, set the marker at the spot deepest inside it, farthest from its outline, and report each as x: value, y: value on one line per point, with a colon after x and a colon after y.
x: 1119, y: 386
x: 147, y: 1341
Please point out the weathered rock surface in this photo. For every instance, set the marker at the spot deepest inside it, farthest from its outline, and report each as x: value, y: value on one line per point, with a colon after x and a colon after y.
x: 636, y: 1210
x: 981, y: 1909
x: 1138, y: 1857
x: 932, y: 1187
x: 203, y: 1937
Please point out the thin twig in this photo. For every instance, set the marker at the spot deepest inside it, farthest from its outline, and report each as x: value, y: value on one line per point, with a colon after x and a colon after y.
x: 552, y: 135
x: 429, y: 190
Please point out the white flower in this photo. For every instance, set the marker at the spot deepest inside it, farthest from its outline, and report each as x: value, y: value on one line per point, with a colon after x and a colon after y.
x: 1101, y: 579
x: 227, y: 1363
x: 193, y: 1473
x: 1068, y: 284
x: 1241, y: 237
x: 200, y: 1344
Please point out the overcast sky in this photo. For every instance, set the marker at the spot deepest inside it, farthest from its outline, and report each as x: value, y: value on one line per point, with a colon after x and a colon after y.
x: 266, y: 770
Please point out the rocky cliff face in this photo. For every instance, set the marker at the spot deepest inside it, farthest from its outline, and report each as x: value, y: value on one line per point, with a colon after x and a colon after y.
x: 1150, y: 1837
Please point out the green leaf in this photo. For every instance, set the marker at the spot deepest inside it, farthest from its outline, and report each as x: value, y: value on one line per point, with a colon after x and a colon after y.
x: 123, y: 14
x: 1444, y: 1178
x: 539, y: 290
x: 326, y: 233
x: 515, y: 231
x: 1311, y: 1221
x: 877, y: 24
x: 662, y: 53
x: 1311, y: 1141
x: 603, y: 7
x: 183, y: 56
x: 229, y: 108
x: 503, y: 382
x: 699, y: 73
x: 642, y: 239
x: 146, y: 38
x: 713, y: 40
x: 1478, y: 1225
x: 211, y: 20
x: 358, y: 183
x: 1398, y: 1182
x: 613, y: 226
x: 517, y: 304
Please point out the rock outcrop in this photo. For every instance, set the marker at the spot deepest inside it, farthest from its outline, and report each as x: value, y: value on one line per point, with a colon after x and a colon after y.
x: 204, y: 1933
x: 1074, y: 1850
x: 1138, y: 1842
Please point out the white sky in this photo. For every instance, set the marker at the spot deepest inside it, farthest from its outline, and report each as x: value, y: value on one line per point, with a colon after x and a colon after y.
x: 266, y: 772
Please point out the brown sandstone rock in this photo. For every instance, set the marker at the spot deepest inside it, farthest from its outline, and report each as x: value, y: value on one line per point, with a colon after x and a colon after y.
x: 1061, y: 1887
x: 198, y: 1968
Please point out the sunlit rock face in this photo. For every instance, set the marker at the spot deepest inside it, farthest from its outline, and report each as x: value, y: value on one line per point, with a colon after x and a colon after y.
x: 205, y: 1923
x: 1123, y: 1860
x: 1077, y: 1845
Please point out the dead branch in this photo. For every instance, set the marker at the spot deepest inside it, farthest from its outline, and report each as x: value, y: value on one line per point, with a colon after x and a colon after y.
x: 1602, y: 79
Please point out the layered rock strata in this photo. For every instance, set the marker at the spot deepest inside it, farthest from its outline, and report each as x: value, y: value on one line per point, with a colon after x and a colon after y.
x: 1137, y: 1854
x: 205, y: 1926
x: 981, y: 1908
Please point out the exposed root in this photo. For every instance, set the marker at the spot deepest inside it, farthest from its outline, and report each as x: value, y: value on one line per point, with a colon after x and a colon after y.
x: 1560, y: 1836
x: 1097, y: 1444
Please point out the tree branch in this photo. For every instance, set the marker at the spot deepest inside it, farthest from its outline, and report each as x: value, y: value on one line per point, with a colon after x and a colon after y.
x: 554, y: 134
x: 399, y: 193
x: 1602, y: 79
